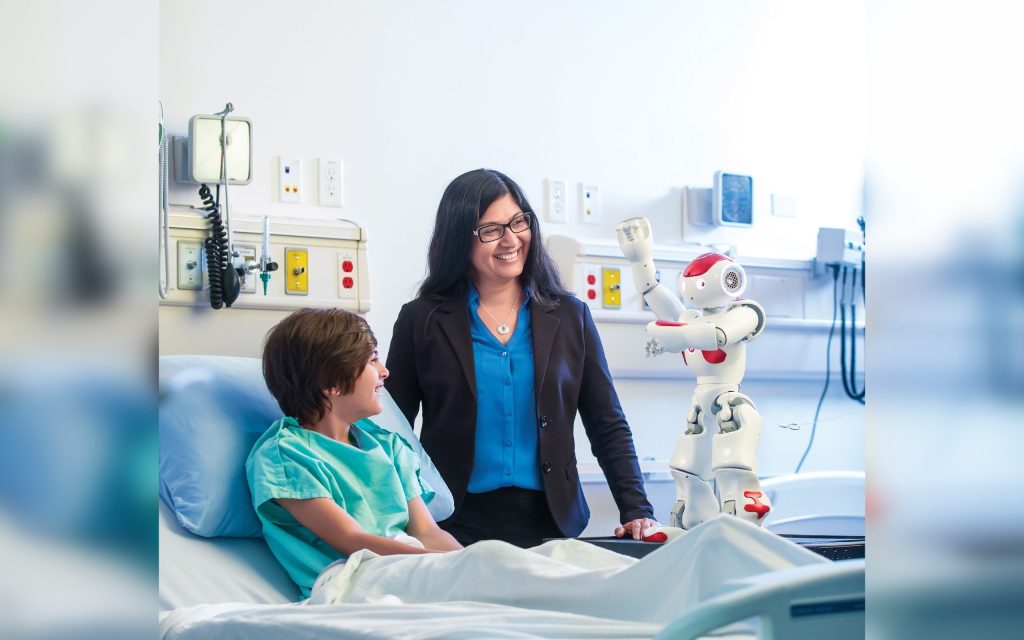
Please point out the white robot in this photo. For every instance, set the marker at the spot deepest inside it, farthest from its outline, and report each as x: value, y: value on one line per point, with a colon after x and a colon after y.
x: 722, y: 425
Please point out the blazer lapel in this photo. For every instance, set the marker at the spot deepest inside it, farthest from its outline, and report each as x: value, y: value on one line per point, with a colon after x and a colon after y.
x: 454, y: 322
x: 544, y: 326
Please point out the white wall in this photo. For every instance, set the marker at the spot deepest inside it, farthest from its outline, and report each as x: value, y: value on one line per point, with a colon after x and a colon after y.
x: 640, y: 98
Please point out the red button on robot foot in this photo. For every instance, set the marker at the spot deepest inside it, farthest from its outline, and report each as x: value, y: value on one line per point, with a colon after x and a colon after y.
x: 347, y: 283
x: 659, y: 536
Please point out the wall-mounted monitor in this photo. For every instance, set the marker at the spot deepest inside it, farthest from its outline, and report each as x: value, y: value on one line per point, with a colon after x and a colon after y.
x: 732, y: 200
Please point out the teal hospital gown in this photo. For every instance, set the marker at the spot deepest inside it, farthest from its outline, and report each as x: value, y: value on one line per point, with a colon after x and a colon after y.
x: 372, y: 481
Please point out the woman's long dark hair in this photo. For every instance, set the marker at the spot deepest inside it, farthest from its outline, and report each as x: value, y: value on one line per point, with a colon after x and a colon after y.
x: 462, y: 205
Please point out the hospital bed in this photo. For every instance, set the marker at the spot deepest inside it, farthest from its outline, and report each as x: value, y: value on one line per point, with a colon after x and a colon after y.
x: 218, y: 578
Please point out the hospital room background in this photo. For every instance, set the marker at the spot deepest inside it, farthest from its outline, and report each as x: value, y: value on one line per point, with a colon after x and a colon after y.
x: 903, y: 112
x: 642, y: 107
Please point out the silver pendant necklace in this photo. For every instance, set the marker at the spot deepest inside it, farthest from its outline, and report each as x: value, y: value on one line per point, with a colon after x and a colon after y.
x: 503, y: 328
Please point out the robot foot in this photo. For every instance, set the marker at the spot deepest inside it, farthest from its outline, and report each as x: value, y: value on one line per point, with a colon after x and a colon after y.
x: 695, y: 501
x: 741, y: 495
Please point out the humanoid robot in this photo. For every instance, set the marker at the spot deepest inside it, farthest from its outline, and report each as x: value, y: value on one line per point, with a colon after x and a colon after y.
x: 722, y: 425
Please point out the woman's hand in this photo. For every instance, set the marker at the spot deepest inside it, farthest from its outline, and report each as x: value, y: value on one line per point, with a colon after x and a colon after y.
x: 635, y: 528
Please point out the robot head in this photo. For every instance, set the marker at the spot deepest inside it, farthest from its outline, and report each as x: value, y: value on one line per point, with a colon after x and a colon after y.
x: 711, y: 280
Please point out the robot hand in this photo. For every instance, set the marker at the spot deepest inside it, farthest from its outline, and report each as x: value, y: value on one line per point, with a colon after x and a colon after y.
x: 635, y: 239
x: 676, y: 337
x: 661, y: 533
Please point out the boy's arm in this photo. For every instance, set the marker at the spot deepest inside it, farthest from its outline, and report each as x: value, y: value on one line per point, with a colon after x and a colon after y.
x: 422, y: 527
x: 330, y: 523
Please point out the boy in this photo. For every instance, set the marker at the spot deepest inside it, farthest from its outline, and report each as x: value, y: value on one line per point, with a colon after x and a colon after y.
x: 326, y: 481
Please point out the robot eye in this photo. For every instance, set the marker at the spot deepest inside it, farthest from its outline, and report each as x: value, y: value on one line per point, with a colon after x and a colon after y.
x: 701, y: 284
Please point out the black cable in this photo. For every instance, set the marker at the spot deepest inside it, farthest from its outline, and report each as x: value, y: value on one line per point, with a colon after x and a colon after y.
x: 842, y: 335
x: 215, y: 261
x: 828, y: 366
x: 857, y: 395
x: 224, y: 282
x: 847, y: 365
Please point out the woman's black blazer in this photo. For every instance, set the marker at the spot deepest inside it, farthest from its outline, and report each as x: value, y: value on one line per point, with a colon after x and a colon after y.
x: 431, y: 364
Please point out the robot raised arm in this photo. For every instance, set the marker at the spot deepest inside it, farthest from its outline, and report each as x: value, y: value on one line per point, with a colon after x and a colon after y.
x: 636, y: 241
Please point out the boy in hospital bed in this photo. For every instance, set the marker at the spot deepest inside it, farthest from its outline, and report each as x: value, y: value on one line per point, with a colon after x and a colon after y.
x: 325, y: 480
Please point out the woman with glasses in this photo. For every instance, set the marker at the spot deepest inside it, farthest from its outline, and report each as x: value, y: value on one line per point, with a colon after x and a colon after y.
x: 501, y: 358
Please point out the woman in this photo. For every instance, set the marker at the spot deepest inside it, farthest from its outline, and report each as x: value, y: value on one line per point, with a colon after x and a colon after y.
x: 501, y: 357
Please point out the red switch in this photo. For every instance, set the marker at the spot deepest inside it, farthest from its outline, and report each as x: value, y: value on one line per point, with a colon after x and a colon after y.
x: 347, y: 282
x: 591, y: 279
x: 591, y: 294
x: 346, y: 266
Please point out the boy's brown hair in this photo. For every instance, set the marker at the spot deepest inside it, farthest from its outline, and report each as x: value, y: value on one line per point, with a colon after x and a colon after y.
x: 311, y: 351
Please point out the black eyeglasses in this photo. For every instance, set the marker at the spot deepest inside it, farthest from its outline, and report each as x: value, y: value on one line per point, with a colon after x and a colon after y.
x: 494, y: 231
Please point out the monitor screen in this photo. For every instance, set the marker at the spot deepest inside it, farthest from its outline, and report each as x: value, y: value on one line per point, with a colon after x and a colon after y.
x: 737, y: 199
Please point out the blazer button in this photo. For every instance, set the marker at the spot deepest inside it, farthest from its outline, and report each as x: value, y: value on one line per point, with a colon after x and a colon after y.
x: 547, y: 467
x: 543, y: 421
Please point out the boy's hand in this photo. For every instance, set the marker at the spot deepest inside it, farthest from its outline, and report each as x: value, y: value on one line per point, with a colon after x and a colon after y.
x: 422, y: 527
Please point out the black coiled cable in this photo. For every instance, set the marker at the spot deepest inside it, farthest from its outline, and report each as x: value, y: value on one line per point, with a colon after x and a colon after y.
x: 224, y: 283
x: 848, y: 365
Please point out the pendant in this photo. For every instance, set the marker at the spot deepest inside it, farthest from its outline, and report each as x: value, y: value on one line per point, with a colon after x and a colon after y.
x: 503, y: 329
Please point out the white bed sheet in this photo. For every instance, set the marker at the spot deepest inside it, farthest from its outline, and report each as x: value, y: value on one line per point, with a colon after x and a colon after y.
x: 564, y: 589
x: 196, y: 570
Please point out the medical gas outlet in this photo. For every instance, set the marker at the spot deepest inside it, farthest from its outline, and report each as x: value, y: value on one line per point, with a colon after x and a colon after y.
x: 611, y: 287
x: 296, y: 271
x: 245, y: 261
x: 190, y: 269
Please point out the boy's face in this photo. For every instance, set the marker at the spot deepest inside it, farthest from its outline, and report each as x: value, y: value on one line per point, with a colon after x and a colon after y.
x: 365, y: 398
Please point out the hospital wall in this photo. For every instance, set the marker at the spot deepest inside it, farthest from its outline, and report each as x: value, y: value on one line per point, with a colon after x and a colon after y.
x: 641, y: 99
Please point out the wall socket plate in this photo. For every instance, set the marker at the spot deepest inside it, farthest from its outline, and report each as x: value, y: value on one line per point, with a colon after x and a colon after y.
x: 190, y: 265
x: 289, y: 179
x: 331, y: 182
x: 296, y: 271
x: 556, y: 193
x: 246, y: 258
x: 783, y: 206
x: 590, y: 204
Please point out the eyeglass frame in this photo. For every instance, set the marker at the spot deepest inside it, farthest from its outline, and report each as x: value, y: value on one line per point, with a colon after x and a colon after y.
x: 508, y: 225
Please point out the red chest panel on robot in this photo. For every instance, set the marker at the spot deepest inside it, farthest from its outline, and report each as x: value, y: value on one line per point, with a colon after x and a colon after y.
x: 714, y: 357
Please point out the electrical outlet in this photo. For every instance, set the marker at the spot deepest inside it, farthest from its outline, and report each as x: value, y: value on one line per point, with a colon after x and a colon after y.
x: 331, y: 182
x: 190, y: 265
x: 348, y: 282
x: 590, y: 285
x: 289, y: 179
x: 557, y: 195
x: 590, y: 204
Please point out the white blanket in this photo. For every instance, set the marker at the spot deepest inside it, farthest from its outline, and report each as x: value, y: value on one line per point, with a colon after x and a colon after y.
x: 564, y: 588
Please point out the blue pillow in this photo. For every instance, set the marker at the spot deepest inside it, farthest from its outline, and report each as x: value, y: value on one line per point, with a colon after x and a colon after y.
x: 212, y: 411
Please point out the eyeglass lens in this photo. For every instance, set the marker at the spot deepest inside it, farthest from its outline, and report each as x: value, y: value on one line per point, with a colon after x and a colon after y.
x: 492, y: 232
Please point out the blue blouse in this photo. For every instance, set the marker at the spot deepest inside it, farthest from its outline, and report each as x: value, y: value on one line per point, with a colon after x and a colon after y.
x: 506, y: 450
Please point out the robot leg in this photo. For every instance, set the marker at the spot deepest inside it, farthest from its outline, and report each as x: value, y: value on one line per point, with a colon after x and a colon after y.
x: 691, y: 470
x: 734, y: 460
